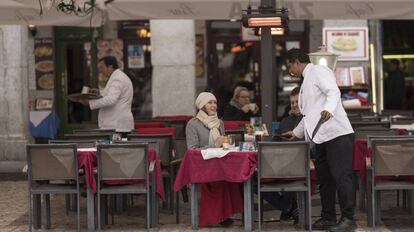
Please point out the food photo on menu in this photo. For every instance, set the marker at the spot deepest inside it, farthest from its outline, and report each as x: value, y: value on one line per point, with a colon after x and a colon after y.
x: 44, y: 66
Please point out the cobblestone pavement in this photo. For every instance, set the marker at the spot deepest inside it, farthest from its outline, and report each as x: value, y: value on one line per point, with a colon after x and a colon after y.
x: 13, y: 215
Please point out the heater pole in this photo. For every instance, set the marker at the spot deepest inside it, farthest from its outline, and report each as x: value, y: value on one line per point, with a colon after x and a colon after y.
x: 268, y: 72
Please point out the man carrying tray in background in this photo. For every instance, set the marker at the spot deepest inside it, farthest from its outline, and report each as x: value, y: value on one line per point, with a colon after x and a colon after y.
x: 115, y: 104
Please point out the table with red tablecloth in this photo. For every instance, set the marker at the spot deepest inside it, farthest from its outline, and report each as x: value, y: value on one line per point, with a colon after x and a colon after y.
x: 88, y: 161
x: 224, y: 175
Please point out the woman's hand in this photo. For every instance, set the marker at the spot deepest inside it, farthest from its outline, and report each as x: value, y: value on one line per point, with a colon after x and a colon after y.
x: 219, y: 141
x: 245, y: 108
x: 256, y: 108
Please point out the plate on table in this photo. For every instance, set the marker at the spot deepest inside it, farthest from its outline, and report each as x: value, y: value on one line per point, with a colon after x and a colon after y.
x: 80, y: 96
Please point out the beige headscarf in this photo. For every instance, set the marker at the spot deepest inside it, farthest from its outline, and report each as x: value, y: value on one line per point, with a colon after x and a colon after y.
x: 212, y: 122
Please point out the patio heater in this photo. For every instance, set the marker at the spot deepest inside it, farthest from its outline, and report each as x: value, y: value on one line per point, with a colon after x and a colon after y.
x: 266, y: 17
x: 324, y: 58
x: 268, y: 21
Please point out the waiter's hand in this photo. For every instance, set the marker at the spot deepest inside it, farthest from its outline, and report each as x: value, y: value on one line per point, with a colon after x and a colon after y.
x: 289, y: 135
x: 94, y: 91
x: 325, y: 115
x: 84, y: 102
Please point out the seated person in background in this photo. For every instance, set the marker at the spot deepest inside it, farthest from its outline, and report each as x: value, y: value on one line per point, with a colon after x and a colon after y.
x: 219, y: 200
x: 240, y: 108
x: 292, y: 120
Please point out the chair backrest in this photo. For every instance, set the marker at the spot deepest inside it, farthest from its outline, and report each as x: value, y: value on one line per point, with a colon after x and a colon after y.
x: 364, y: 133
x: 365, y: 119
x: 88, y: 136
x: 52, y: 162
x: 393, y: 157
x: 165, y: 143
x: 408, y: 113
x: 238, y: 135
x: 180, y: 147
x: 369, y: 125
x: 151, y: 144
x: 402, y: 121
x: 122, y: 161
x: 283, y: 159
x: 386, y: 137
x: 93, y: 131
x: 179, y: 126
x: 79, y: 143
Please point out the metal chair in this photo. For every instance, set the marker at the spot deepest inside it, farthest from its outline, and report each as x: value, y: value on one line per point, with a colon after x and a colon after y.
x: 49, y: 167
x: 80, y: 143
x: 369, y: 125
x: 179, y: 151
x: 70, y: 200
x: 125, y: 162
x: 363, y: 134
x: 402, y: 121
x: 88, y: 136
x: 390, y: 157
x: 166, y: 155
x: 408, y: 113
x: 179, y: 126
x: 288, y: 162
x: 93, y: 131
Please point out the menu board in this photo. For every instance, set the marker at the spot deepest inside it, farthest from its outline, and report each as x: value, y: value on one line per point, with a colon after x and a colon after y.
x: 43, y: 52
x: 136, y: 57
x: 349, y: 43
x: 199, y: 56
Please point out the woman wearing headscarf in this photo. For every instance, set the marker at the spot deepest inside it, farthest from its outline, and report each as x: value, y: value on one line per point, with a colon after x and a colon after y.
x: 240, y: 107
x: 219, y: 200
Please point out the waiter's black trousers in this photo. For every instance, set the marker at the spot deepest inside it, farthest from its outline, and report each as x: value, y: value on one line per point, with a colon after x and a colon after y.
x: 334, y: 171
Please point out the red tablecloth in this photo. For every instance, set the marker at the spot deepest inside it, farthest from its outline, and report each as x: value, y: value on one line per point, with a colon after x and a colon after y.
x: 219, y: 198
x: 234, y: 125
x: 157, y: 130
x: 87, y: 160
x: 174, y: 118
x: 138, y: 125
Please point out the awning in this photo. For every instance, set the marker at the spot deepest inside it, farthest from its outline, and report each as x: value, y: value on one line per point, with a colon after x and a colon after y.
x: 231, y: 9
x: 26, y: 12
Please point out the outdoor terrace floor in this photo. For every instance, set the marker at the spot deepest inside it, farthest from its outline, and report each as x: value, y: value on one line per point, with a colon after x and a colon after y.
x: 13, y: 214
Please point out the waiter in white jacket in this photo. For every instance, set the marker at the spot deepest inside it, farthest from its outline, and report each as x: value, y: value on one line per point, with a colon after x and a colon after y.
x: 115, y: 104
x: 320, y: 103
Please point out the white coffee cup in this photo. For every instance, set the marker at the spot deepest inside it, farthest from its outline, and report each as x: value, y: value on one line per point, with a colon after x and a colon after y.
x: 85, y: 89
x: 252, y: 106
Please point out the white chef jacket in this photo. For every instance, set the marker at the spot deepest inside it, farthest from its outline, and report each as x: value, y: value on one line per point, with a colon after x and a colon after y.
x: 320, y: 92
x: 115, y: 105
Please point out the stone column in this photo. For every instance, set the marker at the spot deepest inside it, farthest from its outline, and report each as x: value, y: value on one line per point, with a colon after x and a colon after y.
x: 173, y: 60
x: 14, y: 119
